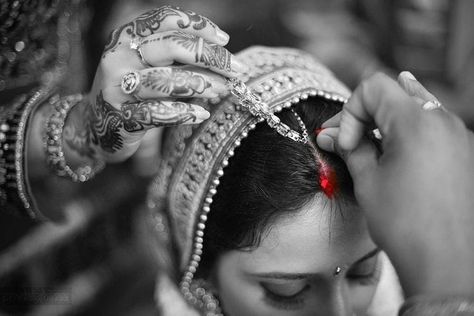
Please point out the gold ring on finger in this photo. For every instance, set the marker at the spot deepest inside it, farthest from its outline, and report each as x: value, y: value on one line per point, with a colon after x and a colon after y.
x: 130, y: 83
x: 136, y: 45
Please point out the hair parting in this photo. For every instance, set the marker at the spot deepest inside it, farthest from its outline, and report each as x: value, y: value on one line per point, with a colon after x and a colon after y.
x: 271, y: 176
x: 327, y: 175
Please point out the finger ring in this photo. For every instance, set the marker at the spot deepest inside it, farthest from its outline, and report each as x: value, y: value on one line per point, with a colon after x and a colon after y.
x: 431, y: 105
x: 130, y: 82
x: 136, y: 45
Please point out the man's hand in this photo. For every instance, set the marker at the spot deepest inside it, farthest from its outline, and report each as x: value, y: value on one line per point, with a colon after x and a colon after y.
x: 418, y: 193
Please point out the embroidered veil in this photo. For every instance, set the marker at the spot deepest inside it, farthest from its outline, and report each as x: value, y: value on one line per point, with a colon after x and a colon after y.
x: 195, y: 157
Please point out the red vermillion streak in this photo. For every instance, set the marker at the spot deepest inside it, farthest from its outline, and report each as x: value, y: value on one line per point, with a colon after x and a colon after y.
x: 327, y: 175
x: 327, y: 178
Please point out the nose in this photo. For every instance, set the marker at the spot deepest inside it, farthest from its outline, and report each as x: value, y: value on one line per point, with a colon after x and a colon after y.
x: 338, y: 301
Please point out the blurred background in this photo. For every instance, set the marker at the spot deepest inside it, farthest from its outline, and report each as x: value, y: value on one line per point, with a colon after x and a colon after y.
x: 94, y: 258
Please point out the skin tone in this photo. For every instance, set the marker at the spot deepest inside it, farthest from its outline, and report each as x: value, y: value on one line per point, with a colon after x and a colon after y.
x: 431, y: 214
x: 292, y: 271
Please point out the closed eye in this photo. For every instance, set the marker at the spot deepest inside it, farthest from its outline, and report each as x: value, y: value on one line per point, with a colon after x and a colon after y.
x: 366, y: 271
x: 285, y: 297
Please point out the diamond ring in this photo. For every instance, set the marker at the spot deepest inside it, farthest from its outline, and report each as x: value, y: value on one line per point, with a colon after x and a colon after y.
x: 136, y: 45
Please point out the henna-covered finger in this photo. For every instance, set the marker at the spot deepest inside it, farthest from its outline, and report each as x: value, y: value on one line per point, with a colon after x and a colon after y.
x: 164, y: 19
x: 165, y: 48
x: 114, y: 126
x: 155, y: 113
x: 215, y: 76
x: 163, y: 82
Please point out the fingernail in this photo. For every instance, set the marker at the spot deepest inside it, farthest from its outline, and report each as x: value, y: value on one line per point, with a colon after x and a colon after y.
x: 202, y: 115
x: 222, y: 37
x: 325, y: 142
x: 408, y: 75
x: 238, y: 66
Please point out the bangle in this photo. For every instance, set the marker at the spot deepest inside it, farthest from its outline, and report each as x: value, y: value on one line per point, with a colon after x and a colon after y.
x: 15, y: 195
x: 54, y: 143
x: 437, y: 306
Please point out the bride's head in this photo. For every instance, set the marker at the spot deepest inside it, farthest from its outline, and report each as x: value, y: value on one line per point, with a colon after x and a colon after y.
x: 266, y: 224
x: 279, y: 241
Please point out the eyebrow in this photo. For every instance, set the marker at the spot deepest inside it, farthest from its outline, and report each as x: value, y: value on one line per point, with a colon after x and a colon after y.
x: 302, y: 276
x: 368, y: 256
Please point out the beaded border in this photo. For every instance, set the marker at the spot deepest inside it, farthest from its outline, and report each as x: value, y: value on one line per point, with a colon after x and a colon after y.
x: 188, y: 276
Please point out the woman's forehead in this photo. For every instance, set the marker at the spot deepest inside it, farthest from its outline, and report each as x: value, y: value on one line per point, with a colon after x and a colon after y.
x: 316, y: 237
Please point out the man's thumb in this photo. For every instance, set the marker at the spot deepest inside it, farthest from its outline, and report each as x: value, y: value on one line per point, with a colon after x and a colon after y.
x: 359, y: 161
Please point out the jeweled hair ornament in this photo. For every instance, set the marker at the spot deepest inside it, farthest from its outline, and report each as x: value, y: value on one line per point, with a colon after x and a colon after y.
x: 260, y: 109
x: 194, y: 157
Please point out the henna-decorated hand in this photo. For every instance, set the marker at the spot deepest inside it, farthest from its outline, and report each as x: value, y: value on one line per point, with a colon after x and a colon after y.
x: 112, y: 124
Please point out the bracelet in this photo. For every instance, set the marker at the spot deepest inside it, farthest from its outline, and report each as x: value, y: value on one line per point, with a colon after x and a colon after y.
x: 54, y: 143
x: 436, y: 306
x: 15, y: 195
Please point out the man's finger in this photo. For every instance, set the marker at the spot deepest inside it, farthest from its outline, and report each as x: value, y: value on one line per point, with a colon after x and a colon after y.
x: 414, y: 88
x: 359, y: 160
x: 327, y: 139
x: 378, y: 100
x: 333, y: 121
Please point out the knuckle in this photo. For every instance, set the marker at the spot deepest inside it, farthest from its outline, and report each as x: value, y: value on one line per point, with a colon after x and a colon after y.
x: 378, y: 77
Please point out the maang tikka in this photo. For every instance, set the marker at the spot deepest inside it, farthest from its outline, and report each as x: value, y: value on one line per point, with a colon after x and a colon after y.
x: 260, y: 109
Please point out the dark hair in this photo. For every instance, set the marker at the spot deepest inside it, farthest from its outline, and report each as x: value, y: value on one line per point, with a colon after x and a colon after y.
x: 269, y: 176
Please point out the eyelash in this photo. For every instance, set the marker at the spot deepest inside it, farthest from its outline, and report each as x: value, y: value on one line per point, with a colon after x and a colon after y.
x: 296, y: 301
x: 368, y: 279
x: 293, y: 302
